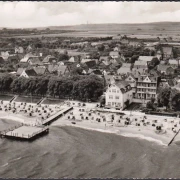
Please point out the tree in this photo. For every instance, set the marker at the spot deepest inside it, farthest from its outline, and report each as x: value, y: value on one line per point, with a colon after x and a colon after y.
x: 102, y: 101
x: 175, y: 100
x: 150, y: 104
x: 101, y: 47
x: 154, y: 62
x: 63, y: 57
x: 134, y: 58
x: 77, y: 71
x: 90, y: 88
x: 164, y: 97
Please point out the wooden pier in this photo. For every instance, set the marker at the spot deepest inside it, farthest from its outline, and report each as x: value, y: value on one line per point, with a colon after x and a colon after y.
x: 31, y: 132
x: 56, y: 116
x: 24, y: 132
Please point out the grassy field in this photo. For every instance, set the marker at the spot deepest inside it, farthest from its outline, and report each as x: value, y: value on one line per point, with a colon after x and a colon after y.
x: 5, y: 97
x: 53, y: 101
x: 103, y: 30
x: 27, y: 99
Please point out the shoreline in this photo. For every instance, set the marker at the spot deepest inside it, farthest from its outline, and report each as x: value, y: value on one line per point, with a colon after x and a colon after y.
x: 146, y: 133
x: 131, y: 132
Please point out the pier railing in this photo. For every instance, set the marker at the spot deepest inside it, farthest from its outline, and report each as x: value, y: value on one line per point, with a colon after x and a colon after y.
x: 11, y: 129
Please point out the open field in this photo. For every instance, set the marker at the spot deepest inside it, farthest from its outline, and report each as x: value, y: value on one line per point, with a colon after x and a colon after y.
x: 149, y: 30
x: 5, y: 97
x: 27, y: 99
x: 53, y: 101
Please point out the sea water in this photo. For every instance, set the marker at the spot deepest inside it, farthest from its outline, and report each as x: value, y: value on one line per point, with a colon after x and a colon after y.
x: 79, y: 153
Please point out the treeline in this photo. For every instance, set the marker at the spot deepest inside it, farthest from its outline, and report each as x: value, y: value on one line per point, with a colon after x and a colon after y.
x: 82, y: 88
x: 167, y: 97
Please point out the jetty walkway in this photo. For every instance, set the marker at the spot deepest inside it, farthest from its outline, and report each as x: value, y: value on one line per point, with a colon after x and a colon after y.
x: 56, y: 116
x: 30, y: 132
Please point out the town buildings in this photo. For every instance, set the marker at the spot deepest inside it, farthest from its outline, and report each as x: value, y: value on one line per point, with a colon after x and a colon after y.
x: 146, y: 87
x: 119, y: 95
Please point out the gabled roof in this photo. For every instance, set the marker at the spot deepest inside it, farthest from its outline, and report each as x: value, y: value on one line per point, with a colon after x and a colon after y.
x: 30, y: 72
x: 108, y: 78
x: 138, y: 72
x: 95, y: 71
x: 35, y: 61
x: 124, y: 70
x: 145, y: 58
x: 174, y: 62
x: 163, y: 67
x: 154, y: 72
x: 91, y: 64
x: 74, y: 59
x: 52, y: 68
x: 114, y: 53
x: 124, y: 86
x: 167, y: 50
x: 86, y: 60
x: 140, y: 63
x: 120, y: 60
x: 62, y: 68
x: 130, y: 75
x: 103, y: 64
x: 40, y: 70
x: 104, y: 58
x: 49, y: 59
x: 20, y: 70
x: 126, y: 65
x: 144, y: 77
x: 24, y: 60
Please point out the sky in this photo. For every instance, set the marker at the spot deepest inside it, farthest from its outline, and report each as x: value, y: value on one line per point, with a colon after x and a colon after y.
x: 25, y: 14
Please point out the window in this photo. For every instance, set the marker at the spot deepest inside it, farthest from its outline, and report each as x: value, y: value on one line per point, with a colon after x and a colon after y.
x: 109, y: 90
x: 109, y: 103
x: 117, y: 91
x: 114, y: 90
x: 117, y: 97
x: 110, y: 97
x: 113, y: 103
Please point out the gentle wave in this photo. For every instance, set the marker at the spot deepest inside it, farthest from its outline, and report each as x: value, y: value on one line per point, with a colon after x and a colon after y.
x: 140, y: 136
x: 122, y: 134
x: 4, y: 165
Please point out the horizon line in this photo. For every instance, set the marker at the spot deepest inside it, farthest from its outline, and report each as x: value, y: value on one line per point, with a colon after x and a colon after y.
x: 89, y: 24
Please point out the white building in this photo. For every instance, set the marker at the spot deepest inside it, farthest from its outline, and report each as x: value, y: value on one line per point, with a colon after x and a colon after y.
x: 118, y: 95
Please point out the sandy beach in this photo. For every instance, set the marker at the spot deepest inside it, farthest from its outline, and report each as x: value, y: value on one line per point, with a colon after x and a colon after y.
x: 148, y: 132
x: 130, y: 131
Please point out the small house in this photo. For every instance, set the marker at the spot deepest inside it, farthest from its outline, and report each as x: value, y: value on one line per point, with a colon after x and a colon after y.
x: 27, y: 73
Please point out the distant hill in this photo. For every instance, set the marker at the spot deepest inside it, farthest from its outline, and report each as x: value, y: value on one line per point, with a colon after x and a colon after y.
x: 153, y: 29
x: 117, y: 26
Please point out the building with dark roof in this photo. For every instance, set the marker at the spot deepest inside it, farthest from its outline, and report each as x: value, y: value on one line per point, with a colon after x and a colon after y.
x: 119, y: 95
x: 27, y: 73
x: 167, y: 52
x: 146, y: 87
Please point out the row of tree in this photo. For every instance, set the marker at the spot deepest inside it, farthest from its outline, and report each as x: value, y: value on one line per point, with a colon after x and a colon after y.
x: 168, y: 97
x: 76, y: 87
